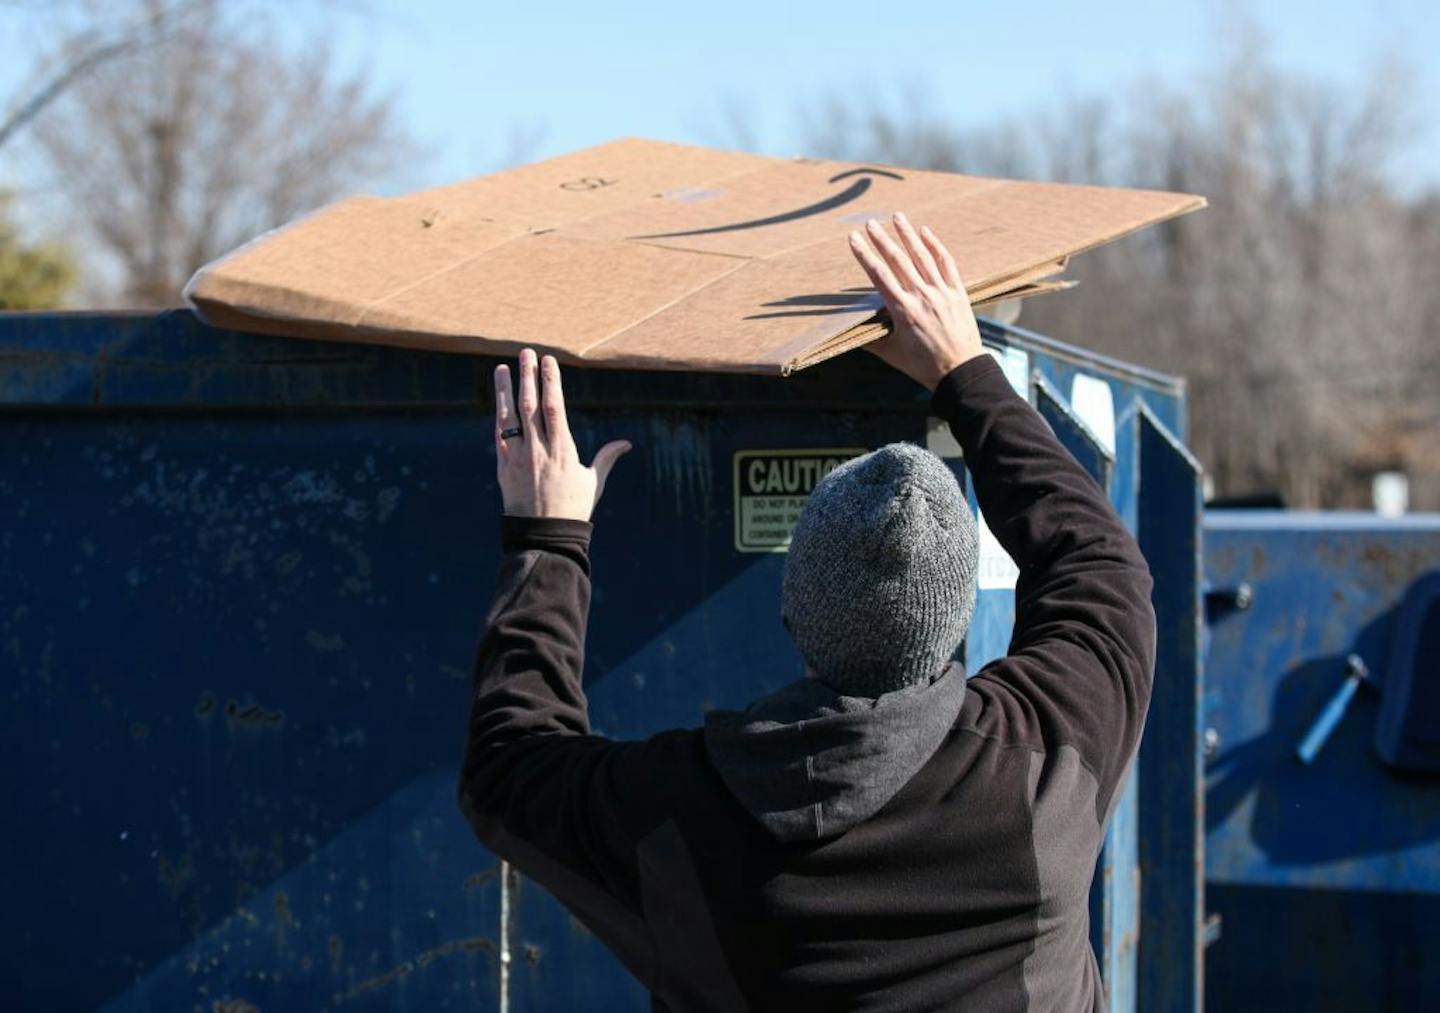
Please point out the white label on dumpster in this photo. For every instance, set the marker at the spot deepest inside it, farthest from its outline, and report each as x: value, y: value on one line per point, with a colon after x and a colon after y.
x: 771, y: 487
x: 995, y: 570
x: 1093, y: 402
x: 1015, y: 363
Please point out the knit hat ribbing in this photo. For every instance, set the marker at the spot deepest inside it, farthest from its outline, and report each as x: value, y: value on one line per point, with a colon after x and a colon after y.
x: 879, y: 582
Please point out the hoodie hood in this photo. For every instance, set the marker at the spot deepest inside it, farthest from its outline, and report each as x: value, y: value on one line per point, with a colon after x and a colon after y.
x: 809, y: 763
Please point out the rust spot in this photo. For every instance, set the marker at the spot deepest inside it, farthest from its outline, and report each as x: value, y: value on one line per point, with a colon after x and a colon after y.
x: 326, y: 643
x: 283, y: 919
x: 1396, y: 565
x: 1257, y: 562
x: 380, y: 980
x: 233, y: 1006
x: 474, y: 944
x: 176, y: 876
x: 252, y: 714
x: 476, y: 880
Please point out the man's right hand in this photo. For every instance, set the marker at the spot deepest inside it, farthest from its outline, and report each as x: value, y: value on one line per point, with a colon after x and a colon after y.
x: 933, y: 326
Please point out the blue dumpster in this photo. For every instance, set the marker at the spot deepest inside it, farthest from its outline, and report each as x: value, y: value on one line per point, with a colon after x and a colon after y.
x: 1323, y: 803
x: 240, y: 584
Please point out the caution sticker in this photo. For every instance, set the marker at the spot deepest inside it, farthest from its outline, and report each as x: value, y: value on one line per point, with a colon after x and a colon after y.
x: 771, y: 487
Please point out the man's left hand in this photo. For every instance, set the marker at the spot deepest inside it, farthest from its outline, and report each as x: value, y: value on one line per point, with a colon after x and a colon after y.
x: 538, y: 465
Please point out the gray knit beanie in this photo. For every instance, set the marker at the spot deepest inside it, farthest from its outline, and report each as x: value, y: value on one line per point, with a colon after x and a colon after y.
x: 880, y: 581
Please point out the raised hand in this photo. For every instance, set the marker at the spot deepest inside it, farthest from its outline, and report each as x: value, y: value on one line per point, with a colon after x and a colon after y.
x: 933, y: 326
x: 537, y: 463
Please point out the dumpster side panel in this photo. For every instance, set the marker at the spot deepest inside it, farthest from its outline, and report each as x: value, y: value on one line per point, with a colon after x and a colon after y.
x: 237, y: 669
x: 1171, y: 763
x: 1335, y: 864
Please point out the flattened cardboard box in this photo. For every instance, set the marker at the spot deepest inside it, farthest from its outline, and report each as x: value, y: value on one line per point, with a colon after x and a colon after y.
x: 646, y: 254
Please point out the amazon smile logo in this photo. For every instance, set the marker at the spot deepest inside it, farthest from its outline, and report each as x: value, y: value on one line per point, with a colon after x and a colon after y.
x: 845, y: 196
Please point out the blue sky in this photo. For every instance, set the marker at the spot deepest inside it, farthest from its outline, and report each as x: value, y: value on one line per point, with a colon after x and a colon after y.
x: 470, y: 77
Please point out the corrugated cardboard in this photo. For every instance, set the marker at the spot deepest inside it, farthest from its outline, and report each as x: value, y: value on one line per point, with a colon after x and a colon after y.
x: 641, y: 253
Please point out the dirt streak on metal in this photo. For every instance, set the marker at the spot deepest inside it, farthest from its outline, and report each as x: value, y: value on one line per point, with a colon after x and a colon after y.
x: 473, y: 944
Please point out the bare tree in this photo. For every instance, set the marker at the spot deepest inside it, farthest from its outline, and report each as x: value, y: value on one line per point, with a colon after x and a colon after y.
x: 1301, y: 306
x: 86, y: 55
x: 203, y: 134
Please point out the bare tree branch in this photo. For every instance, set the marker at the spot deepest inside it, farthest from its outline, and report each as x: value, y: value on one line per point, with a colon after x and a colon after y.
x: 80, y: 55
x: 218, y: 133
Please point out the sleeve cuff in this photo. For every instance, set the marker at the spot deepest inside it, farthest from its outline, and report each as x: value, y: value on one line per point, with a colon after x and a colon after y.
x: 518, y: 534
x: 954, y: 385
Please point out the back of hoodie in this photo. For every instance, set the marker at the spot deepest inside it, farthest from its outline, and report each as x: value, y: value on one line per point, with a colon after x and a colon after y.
x: 931, y: 848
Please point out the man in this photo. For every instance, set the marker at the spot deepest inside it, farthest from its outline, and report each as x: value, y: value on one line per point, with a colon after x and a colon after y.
x: 883, y: 834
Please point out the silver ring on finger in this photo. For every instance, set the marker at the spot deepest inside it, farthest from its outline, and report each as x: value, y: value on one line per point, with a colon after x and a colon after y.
x: 513, y: 431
